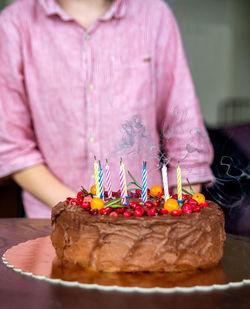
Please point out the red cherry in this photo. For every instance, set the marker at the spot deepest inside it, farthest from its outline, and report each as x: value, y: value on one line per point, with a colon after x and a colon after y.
x: 85, y: 205
x: 152, y: 212
x: 114, y: 193
x: 113, y: 214
x: 163, y: 211
x: 105, y: 210
x: 177, y: 212
x: 148, y: 204
x: 196, y: 209
x: 93, y: 212
x: 192, y: 202
x: 120, y: 210
x: 204, y: 204
x: 127, y: 213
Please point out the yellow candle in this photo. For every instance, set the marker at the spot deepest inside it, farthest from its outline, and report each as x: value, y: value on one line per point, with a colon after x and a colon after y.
x: 124, y: 175
x: 179, y: 188
x: 97, y: 179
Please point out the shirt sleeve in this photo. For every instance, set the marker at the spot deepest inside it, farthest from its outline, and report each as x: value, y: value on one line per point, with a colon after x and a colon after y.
x: 179, y: 117
x: 18, y: 148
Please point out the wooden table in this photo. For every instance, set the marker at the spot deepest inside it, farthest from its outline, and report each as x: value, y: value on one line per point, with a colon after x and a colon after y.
x: 18, y: 291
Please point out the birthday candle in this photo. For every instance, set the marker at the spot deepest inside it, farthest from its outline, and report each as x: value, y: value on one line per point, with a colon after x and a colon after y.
x: 144, y: 183
x: 122, y: 183
x: 165, y: 180
x: 179, y: 188
x: 108, y: 180
x: 97, y: 178
x: 124, y: 176
x: 101, y: 181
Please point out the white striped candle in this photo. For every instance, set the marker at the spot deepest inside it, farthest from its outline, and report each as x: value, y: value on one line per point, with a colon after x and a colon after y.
x: 108, y: 180
x: 165, y: 181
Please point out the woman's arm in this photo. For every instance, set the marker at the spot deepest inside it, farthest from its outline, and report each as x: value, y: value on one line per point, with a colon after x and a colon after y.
x: 42, y: 184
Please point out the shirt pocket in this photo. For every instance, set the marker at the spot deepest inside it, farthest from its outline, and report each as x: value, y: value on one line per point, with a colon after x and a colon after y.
x: 131, y: 82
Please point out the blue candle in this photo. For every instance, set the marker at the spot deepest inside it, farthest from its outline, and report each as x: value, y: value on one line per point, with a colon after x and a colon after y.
x: 101, y: 181
x: 144, y: 183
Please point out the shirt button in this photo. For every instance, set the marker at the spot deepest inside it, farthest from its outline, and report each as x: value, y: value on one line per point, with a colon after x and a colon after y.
x: 91, y: 139
x: 91, y: 86
x: 87, y: 36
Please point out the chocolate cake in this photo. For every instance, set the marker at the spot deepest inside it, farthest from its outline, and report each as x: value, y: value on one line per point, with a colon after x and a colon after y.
x: 163, y: 242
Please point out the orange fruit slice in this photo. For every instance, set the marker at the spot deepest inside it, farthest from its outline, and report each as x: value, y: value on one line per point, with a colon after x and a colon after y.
x: 96, y: 203
x: 93, y: 190
x: 155, y: 190
x: 171, y: 204
x: 199, y: 198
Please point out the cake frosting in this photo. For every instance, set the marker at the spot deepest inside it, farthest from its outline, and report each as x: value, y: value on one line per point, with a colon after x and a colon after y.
x: 163, y: 243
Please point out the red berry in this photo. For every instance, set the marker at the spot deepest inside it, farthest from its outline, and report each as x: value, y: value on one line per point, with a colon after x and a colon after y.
x: 114, y: 193
x: 138, y: 192
x: 85, y: 205
x: 177, y: 212
x: 87, y: 198
x: 193, y: 202
x: 79, y: 194
x: 105, y: 210
x: 134, y: 204
x: 204, y: 204
x: 196, y: 209
x: 156, y: 203
x: 170, y: 192
x: 139, y: 211
x: 127, y: 213
x: 93, y: 212
x: 68, y: 200
x: 120, y: 210
x: 187, y: 210
x: 73, y: 201
x: 163, y: 211
x: 187, y: 206
x: 152, y: 212
x: 148, y: 204
x: 175, y: 196
x: 113, y: 214
x: 119, y: 192
x: 160, y: 194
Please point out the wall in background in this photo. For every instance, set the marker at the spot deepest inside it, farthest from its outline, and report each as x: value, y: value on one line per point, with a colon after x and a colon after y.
x: 216, y: 39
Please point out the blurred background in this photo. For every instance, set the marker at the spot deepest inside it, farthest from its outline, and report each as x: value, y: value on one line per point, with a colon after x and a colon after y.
x: 216, y: 37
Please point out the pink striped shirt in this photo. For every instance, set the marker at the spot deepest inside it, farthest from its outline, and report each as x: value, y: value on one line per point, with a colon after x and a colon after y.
x: 67, y: 94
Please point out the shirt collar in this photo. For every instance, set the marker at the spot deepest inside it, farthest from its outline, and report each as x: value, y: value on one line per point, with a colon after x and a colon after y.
x: 117, y: 10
